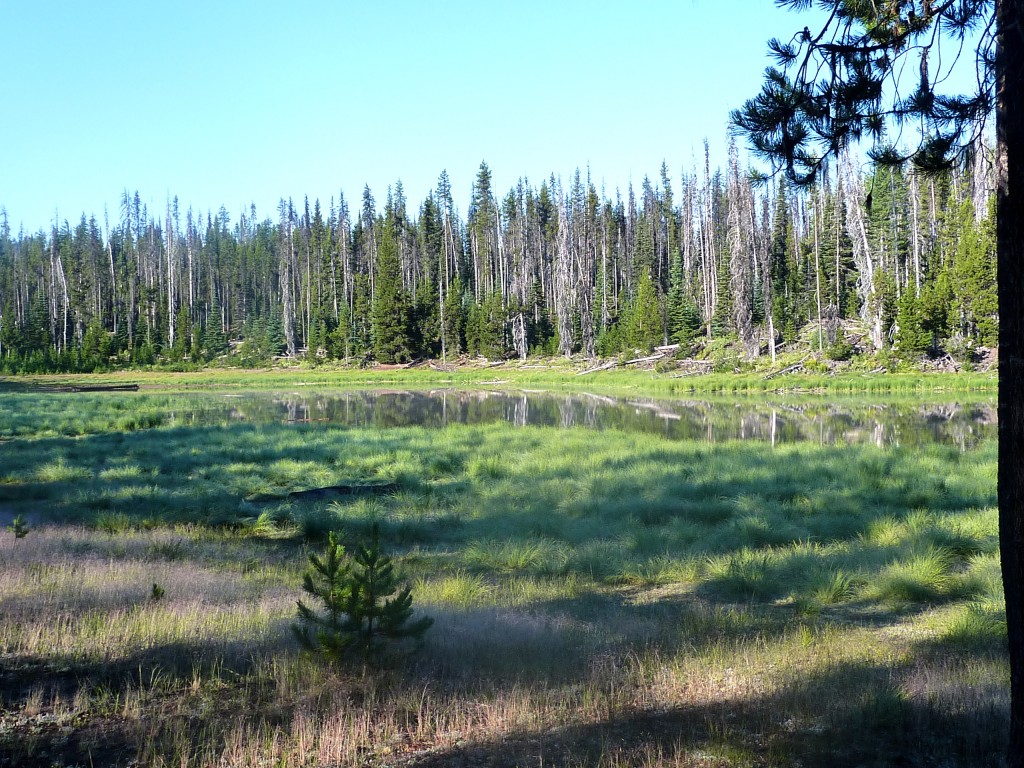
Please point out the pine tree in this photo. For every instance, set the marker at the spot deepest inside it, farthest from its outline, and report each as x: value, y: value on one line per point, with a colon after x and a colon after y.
x: 329, y: 582
x: 911, y: 337
x: 936, y: 302
x: 95, y: 345
x: 364, y: 604
x: 378, y: 607
x: 213, y: 341
x: 644, y: 326
x: 182, y: 335
x: 974, y: 278
x: 427, y: 318
x: 392, y: 342
x: 454, y: 327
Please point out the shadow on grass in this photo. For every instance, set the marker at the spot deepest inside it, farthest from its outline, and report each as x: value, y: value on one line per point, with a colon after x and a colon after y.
x: 110, y: 707
x: 615, y: 510
x: 852, y: 714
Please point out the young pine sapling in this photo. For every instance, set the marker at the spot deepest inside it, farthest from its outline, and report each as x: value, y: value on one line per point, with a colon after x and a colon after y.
x: 364, y: 604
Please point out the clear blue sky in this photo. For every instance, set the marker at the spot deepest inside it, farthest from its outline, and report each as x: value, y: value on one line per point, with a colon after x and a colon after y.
x: 231, y: 103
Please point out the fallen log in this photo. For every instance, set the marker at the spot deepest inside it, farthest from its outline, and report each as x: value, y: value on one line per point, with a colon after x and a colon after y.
x: 650, y: 359
x: 329, y: 492
x: 787, y: 369
x: 604, y: 367
x: 92, y: 388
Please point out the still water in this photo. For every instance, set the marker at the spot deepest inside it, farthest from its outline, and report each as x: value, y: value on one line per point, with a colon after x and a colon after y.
x: 815, y: 419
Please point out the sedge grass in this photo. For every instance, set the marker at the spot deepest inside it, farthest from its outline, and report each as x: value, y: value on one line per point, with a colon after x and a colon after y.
x: 601, y: 598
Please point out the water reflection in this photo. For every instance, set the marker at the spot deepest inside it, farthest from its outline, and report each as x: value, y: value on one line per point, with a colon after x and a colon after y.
x: 809, y: 419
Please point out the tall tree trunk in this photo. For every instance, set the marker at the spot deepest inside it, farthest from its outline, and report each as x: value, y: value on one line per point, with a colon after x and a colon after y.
x: 1010, y: 258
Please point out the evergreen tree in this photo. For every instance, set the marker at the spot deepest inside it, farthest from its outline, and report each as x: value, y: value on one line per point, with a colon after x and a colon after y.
x: 392, y: 342
x: 182, y: 335
x: 428, y: 319
x: 974, y: 279
x: 912, y: 338
x: 644, y: 326
x: 364, y: 604
x: 454, y: 328
x: 96, y: 346
x: 329, y: 583
x: 213, y: 341
x: 936, y: 302
x: 379, y: 609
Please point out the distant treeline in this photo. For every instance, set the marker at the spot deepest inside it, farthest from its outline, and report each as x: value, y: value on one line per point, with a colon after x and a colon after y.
x: 560, y: 268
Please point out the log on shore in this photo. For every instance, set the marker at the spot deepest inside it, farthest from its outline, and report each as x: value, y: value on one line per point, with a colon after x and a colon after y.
x: 650, y: 359
x: 330, y: 492
x: 92, y: 388
x: 787, y: 369
x: 604, y: 367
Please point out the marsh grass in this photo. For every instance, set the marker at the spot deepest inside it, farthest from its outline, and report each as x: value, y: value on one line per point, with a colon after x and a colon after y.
x: 600, y: 599
x: 557, y: 373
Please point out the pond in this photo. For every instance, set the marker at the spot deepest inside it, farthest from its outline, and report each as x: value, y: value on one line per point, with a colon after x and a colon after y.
x: 819, y: 420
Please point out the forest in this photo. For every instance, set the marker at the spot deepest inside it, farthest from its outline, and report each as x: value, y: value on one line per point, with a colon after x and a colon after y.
x: 712, y: 257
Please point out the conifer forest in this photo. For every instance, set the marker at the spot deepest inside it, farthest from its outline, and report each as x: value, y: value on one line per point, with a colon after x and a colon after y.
x: 563, y: 267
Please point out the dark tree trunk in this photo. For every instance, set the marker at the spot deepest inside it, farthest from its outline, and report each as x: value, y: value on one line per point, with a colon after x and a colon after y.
x: 1010, y: 216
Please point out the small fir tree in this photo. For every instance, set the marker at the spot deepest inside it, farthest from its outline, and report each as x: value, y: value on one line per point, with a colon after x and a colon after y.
x: 364, y: 605
x: 378, y: 608
x: 19, y: 527
x: 328, y: 581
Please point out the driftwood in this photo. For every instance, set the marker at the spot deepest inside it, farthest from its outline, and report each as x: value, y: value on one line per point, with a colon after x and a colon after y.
x: 787, y: 369
x: 330, y: 492
x: 650, y: 359
x: 667, y: 348
x: 604, y: 367
x: 93, y: 388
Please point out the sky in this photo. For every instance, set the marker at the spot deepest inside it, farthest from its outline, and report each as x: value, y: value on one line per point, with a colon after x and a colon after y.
x: 232, y: 103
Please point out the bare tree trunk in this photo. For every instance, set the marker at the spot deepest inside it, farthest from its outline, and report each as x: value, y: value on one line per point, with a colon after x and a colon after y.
x: 286, y: 258
x: 857, y: 229
x: 57, y: 267
x: 171, y: 238
x: 564, y: 281
x: 740, y: 252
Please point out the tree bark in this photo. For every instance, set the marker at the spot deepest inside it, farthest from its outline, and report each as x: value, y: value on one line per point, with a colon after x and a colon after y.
x: 1010, y: 265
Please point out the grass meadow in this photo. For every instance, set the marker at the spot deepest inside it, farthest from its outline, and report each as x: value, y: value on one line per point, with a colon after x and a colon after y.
x: 600, y: 598
x: 550, y: 373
